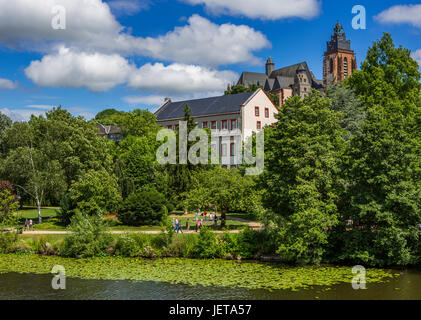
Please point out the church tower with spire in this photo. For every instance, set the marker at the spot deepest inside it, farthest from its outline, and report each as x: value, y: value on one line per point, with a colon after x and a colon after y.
x: 339, y: 60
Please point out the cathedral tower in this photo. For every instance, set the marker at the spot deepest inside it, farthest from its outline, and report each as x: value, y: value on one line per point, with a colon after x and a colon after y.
x: 270, y: 66
x: 339, y: 60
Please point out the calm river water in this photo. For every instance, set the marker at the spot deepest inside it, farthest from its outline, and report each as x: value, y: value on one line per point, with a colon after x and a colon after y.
x: 30, y: 286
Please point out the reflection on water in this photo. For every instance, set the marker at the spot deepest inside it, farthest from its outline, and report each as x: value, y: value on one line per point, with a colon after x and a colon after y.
x: 29, y: 286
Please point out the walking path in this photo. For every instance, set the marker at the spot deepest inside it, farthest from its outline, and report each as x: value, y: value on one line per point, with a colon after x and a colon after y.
x: 45, y: 232
x: 253, y: 225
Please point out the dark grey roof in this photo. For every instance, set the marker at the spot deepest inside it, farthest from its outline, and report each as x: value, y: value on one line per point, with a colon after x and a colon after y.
x: 269, y: 84
x: 201, y: 107
x: 249, y: 78
x: 289, y: 71
x: 279, y: 79
x: 283, y: 83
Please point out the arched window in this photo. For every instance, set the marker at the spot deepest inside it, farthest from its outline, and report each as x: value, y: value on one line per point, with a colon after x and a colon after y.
x: 331, y: 65
x: 346, y: 67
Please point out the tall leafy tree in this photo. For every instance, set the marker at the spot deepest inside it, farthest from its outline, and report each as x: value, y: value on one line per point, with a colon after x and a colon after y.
x: 29, y: 167
x: 346, y: 101
x: 383, y: 196
x: 96, y: 192
x: 227, y: 189
x: 302, y: 166
x: 180, y: 176
x: 5, y: 122
x: 45, y: 155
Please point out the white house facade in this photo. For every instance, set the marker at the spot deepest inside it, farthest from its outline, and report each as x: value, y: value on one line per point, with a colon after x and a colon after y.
x: 231, y: 118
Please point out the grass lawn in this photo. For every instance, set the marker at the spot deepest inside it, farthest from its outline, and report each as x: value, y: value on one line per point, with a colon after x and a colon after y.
x: 32, y: 212
x: 48, y: 237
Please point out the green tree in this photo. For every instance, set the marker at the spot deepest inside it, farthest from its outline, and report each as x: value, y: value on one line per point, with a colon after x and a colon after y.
x: 180, y: 176
x: 383, y: 194
x: 96, y: 192
x: 108, y: 116
x: 5, y: 122
x: 228, y: 189
x: 138, y: 123
x: 302, y: 166
x: 137, y: 156
x: 345, y: 100
x: 8, y: 205
x: 146, y: 207
x: 45, y: 155
x: 29, y: 168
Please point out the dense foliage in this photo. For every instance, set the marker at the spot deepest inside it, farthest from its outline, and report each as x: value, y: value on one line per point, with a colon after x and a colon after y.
x: 146, y: 207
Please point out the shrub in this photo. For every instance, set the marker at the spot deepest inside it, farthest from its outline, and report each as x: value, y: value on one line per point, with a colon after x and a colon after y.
x: 248, y: 243
x: 20, y: 247
x: 87, y: 239
x: 146, y: 207
x: 126, y: 246
x: 42, y: 246
x: 148, y: 252
x: 182, y: 246
x: 207, y: 245
x: 7, y: 241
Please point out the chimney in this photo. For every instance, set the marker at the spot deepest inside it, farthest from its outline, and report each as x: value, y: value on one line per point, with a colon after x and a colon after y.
x: 167, y: 100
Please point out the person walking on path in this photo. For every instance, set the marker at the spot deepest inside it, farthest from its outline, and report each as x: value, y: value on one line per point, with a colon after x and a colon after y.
x: 179, y: 227
x: 31, y: 224
x: 187, y: 225
x: 173, y: 224
x: 26, y: 224
x: 176, y: 225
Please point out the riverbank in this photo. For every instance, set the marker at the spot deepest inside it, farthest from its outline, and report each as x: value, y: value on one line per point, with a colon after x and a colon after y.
x: 207, y: 273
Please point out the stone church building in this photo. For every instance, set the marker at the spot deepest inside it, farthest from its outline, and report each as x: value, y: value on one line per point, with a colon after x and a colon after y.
x: 339, y: 62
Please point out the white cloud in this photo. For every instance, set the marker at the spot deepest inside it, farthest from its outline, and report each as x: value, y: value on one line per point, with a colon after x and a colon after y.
x: 8, y: 84
x: 27, y: 23
x: 410, y: 14
x: 100, y: 72
x: 21, y: 114
x: 180, y: 78
x: 204, y: 42
x: 91, y: 26
x: 67, y: 68
x: 417, y: 56
x: 128, y: 7
x: 262, y: 9
x: 91, y: 52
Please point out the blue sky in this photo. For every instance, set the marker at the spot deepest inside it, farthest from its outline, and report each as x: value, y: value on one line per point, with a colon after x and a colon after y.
x: 132, y: 54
